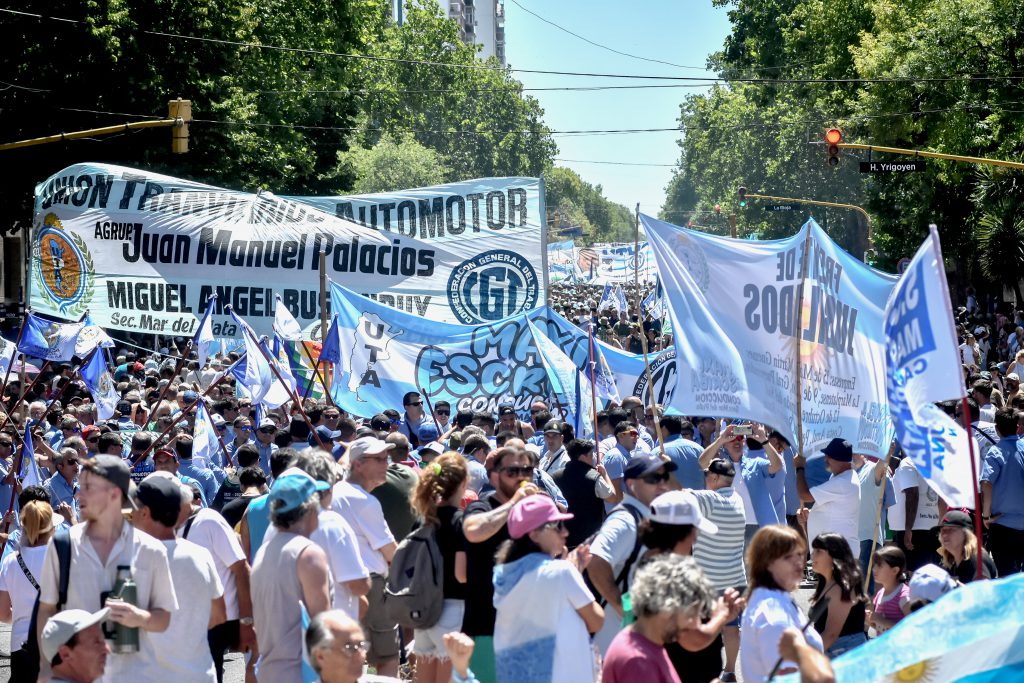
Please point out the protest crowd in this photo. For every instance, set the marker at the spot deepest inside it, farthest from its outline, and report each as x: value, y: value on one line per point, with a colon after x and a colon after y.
x: 434, y: 543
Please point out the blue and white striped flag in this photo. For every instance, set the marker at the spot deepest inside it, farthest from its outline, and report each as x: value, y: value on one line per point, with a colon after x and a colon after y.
x: 204, y: 335
x: 205, y: 444
x: 31, y: 475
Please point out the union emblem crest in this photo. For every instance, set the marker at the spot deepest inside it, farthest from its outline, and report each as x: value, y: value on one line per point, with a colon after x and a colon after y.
x: 62, y: 266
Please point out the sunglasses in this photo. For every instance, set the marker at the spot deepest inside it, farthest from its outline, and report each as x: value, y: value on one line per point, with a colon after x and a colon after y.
x: 332, y: 417
x: 630, y: 432
x: 526, y: 471
x: 656, y: 478
x: 71, y: 462
x: 268, y: 430
x: 555, y: 526
x: 417, y: 403
x: 443, y: 412
x: 245, y: 429
x: 93, y: 440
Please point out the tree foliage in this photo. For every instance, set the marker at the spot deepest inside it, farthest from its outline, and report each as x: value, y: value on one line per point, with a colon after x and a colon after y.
x: 392, y: 164
x: 577, y: 202
x: 940, y: 75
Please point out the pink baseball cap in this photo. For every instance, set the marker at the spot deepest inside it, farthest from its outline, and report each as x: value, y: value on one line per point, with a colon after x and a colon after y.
x: 531, y: 513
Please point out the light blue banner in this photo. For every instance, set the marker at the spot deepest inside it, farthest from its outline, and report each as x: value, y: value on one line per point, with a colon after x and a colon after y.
x: 767, y: 330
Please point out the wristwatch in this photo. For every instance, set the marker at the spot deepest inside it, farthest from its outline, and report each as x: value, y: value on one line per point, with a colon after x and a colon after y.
x: 245, y: 621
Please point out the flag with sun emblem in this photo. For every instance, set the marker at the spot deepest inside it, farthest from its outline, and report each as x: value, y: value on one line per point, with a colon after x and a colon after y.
x: 785, y: 332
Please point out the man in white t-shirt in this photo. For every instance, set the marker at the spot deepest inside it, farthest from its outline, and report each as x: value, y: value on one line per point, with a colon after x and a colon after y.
x: 182, y: 651
x: 337, y: 538
x: 368, y: 459
x: 914, y: 518
x: 208, y: 528
x: 837, y: 501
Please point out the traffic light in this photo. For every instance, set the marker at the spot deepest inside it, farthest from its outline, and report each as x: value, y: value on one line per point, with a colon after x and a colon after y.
x: 182, y: 110
x: 832, y: 139
x: 743, y: 196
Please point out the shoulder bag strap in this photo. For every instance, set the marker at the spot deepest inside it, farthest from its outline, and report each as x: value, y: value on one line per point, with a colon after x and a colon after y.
x: 26, y: 571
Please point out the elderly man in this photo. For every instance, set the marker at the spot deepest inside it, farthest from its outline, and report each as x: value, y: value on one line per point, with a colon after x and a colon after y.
x: 73, y: 644
x: 63, y: 485
x: 837, y: 501
x: 337, y: 649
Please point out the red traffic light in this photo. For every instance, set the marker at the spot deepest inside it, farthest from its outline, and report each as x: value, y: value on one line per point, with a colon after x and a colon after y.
x: 833, y: 136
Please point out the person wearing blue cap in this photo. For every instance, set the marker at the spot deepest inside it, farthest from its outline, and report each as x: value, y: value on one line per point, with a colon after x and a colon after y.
x: 289, y: 569
x: 837, y: 501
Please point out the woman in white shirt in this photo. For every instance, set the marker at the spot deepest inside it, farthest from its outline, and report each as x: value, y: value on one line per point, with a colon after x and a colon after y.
x: 775, y: 567
x: 544, y: 610
x: 19, y: 585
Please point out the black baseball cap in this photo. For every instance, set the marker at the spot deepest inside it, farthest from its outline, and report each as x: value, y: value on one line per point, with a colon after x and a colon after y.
x: 159, y: 493
x: 721, y: 466
x: 114, y: 469
x: 642, y: 464
x: 958, y: 519
x: 554, y: 426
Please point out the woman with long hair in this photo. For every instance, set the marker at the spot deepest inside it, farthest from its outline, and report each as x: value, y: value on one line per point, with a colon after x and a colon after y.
x: 545, y: 612
x: 437, y: 499
x: 839, y: 579
x: 959, y: 549
x: 19, y: 585
x: 775, y: 568
x: 892, y: 601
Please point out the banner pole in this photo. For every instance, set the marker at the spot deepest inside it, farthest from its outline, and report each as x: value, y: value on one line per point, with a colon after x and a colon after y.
x: 643, y: 338
x: 316, y: 371
x: 878, y: 516
x: 15, y: 470
x: 804, y: 267
x: 25, y: 392
x: 593, y: 391
x: 323, y: 296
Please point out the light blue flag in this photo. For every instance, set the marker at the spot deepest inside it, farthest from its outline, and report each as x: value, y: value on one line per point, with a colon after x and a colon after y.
x: 30, y: 473
x: 765, y: 330
x: 974, y: 634
x: 205, y: 444
x: 924, y: 368
x: 204, y: 335
x: 101, y: 385
x: 620, y: 300
x: 57, y: 341
x: 607, y: 298
x: 573, y: 394
x: 386, y: 353
x: 257, y: 378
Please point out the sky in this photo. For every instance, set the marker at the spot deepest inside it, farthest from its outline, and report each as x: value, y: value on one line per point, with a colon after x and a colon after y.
x: 683, y: 32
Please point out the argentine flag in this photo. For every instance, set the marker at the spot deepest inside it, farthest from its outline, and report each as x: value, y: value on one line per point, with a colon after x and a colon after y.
x: 974, y: 634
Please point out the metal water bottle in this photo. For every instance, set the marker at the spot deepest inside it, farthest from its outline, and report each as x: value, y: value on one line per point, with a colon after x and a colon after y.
x: 126, y: 639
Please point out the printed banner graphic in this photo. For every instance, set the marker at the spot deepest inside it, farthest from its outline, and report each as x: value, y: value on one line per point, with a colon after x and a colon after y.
x: 143, y: 252
x: 756, y: 322
x: 385, y: 353
x: 923, y: 362
x: 604, y: 263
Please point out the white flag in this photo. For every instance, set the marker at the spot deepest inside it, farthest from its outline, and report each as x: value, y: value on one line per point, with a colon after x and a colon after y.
x: 285, y: 325
x: 924, y: 368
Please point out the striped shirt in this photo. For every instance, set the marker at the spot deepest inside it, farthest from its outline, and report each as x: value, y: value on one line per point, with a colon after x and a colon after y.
x: 721, y: 555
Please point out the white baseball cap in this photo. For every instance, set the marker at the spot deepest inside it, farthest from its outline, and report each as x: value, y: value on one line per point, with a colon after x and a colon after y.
x: 680, y: 507
x: 61, y: 627
x: 367, y: 445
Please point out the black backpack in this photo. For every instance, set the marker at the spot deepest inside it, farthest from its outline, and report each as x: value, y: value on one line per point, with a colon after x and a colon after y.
x: 62, y: 544
x: 414, y: 591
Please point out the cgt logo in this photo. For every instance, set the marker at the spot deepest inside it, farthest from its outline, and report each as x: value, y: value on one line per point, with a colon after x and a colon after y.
x: 663, y: 374
x: 491, y: 286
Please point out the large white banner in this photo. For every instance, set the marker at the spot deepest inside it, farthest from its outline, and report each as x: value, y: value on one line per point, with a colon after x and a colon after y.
x: 770, y: 331
x: 143, y: 251
x: 604, y: 263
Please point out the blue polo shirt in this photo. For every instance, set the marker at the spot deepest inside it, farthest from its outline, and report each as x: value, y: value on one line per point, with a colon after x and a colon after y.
x: 767, y: 491
x: 1004, y: 469
x: 62, y: 492
x: 686, y: 455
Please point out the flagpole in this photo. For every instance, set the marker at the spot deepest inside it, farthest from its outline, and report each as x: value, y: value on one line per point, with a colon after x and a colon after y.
x: 878, y: 515
x: 246, y: 330
x: 59, y: 394
x: 167, y: 429
x: 593, y: 391
x: 430, y: 407
x: 21, y: 331
x: 643, y: 338
x: 25, y: 393
x: 177, y: 370
x: 799, y: 365
x: 316, y: 370
x: 15, y: 469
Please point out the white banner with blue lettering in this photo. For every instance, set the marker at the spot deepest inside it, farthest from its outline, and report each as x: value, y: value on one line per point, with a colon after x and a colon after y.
x: 616, y: 263
x: 924, y: 368
x: 562, y: 264
x: 143, y: 252
x: 745, y: 345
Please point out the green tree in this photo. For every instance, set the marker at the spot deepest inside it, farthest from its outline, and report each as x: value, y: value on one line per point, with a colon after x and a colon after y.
x: 577, y: 202
x: 394, y: 163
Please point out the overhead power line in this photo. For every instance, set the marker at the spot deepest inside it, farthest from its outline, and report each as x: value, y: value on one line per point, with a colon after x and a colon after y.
x: 485, y: 67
